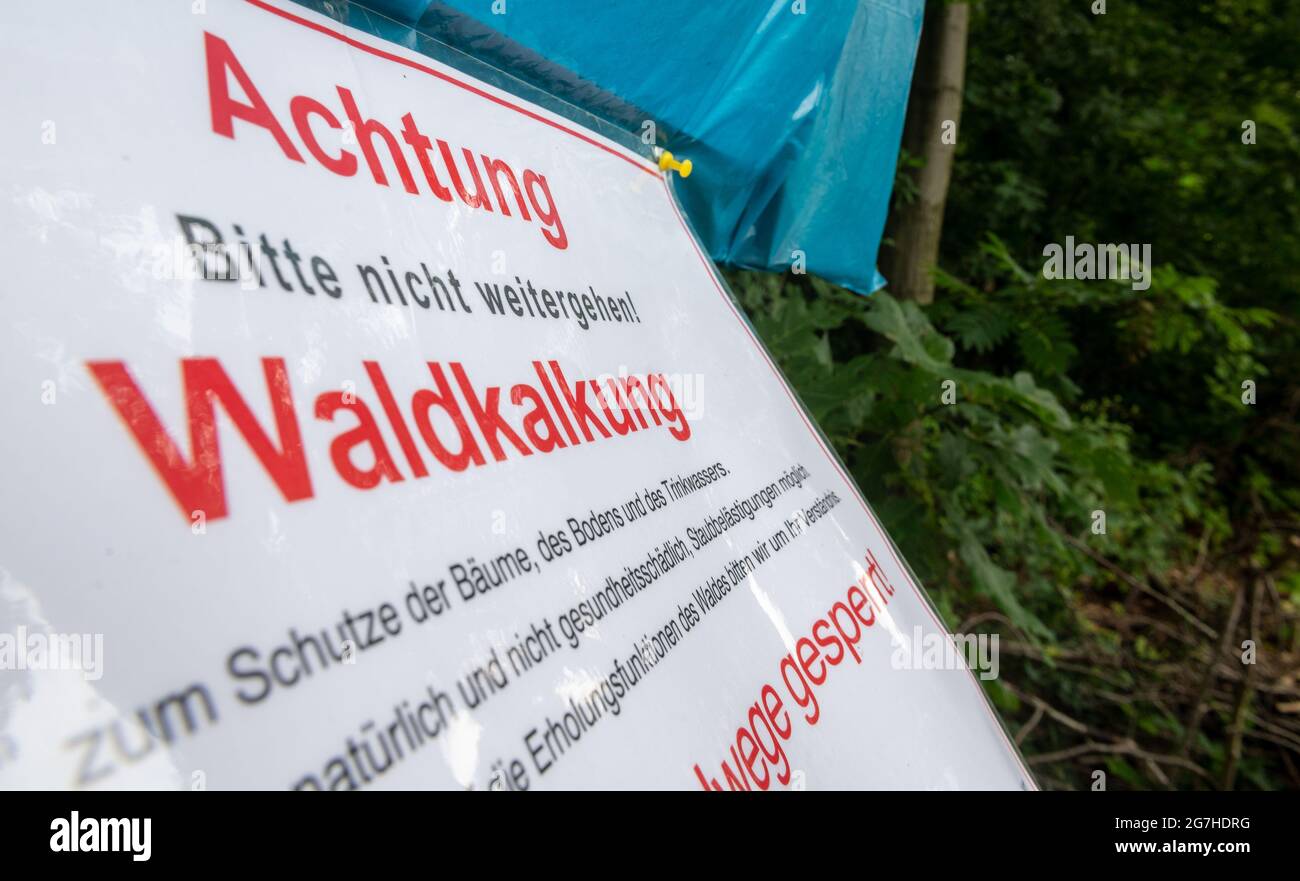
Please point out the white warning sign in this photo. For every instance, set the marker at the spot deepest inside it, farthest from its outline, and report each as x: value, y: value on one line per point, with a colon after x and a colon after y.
x: 370, y: 427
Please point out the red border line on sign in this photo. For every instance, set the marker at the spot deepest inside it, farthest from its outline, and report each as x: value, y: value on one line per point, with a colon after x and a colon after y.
x: 852, y: 485
x: 415, y: 65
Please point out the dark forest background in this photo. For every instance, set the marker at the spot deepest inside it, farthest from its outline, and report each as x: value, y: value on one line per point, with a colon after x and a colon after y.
x: 1164, y: 652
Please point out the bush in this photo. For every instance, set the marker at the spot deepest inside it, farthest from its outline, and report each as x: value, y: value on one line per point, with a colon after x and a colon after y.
x: 970, y: 428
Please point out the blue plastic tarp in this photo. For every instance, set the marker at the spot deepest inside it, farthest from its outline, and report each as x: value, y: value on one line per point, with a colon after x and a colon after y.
x: 790, y: 111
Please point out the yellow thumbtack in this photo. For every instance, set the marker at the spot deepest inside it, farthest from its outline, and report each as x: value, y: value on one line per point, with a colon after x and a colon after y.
x: 666, y: 162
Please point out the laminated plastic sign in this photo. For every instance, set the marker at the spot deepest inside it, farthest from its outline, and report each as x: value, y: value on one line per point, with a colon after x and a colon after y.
x: 369, y: 426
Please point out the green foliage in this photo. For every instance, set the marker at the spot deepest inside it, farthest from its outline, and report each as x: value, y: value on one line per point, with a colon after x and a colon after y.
x: 1079, y: 396
x: 1005, y: 461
